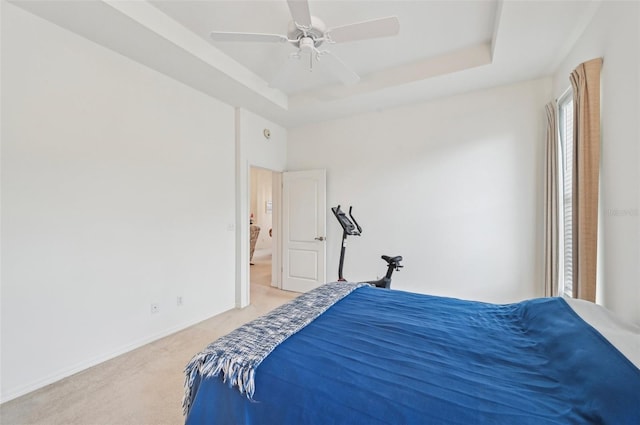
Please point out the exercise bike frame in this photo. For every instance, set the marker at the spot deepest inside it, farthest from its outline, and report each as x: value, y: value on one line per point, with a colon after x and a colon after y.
x: 350, y: 227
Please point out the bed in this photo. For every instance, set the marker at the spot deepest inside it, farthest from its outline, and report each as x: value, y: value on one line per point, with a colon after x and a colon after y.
x: 375, y: 356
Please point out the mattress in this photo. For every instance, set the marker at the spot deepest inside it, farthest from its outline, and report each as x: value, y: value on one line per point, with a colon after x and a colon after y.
x: 622, y: 335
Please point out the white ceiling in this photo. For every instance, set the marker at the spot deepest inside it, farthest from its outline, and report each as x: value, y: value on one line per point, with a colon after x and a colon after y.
x: 460, y: 24
x: 443, y: 48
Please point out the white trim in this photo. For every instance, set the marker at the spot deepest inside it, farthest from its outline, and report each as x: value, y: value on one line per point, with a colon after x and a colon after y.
x: 161, y: 24
x: 563, y: 97
x: 276, y: 255
x: 242, y: 218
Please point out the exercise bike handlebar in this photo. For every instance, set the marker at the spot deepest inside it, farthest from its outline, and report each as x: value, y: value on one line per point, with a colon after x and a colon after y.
x: 353, y: 219
x: 350, y: 226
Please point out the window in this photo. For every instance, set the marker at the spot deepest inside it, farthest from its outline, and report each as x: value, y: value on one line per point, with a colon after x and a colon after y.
x: 565, y: 125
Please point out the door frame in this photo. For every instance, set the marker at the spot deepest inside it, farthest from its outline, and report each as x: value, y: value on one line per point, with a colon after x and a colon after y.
x: 254, y: 148
x: 276, y: 224
x: 243, y: 292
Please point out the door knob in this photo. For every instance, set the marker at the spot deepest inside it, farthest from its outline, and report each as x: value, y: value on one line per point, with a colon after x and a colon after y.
x: 320, y: 238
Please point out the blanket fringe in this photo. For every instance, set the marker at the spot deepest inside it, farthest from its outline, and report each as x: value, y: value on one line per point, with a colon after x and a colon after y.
x: 226, y: 357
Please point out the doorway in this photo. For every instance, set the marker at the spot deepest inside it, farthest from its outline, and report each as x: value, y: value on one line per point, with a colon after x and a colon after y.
x: 261, y: 225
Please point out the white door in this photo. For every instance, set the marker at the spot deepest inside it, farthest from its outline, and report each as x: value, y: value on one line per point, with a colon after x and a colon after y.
x: 304, y: 229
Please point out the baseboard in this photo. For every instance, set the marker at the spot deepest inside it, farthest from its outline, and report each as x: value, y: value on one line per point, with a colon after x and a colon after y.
x: 55, y: 377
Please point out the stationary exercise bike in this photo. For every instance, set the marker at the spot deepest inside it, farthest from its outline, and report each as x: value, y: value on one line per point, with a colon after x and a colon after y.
x: 351, y: 227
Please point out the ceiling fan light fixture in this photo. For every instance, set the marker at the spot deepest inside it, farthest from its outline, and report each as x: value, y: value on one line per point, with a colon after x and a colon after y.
x: 307, y: 45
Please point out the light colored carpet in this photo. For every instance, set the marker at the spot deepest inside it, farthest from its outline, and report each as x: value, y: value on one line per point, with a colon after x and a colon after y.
x: 144, y: 386
x: 260, y: 271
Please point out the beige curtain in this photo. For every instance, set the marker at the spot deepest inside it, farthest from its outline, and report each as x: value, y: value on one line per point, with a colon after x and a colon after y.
x: 551, y: 248
x: 585, y: 81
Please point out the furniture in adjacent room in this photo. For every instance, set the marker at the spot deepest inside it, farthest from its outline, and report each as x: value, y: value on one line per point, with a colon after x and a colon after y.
x: 254, y: 231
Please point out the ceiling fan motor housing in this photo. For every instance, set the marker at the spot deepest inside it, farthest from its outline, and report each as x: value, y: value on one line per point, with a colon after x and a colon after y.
x: 315, y: 33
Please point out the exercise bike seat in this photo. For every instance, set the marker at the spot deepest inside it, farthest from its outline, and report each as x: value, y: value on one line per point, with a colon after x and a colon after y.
x: 390, y: 260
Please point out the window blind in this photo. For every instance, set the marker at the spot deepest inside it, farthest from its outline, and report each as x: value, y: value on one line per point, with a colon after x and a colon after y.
x: 566, y: 139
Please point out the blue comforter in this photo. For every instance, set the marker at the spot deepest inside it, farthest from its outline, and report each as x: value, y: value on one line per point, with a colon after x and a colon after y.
x: 392, y: 357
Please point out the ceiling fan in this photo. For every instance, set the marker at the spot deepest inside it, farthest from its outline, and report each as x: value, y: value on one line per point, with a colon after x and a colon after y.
x: 307, y: 33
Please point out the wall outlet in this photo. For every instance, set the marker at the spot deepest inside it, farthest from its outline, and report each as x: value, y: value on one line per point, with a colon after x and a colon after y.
x: 155, y: 308
x: 179, y: 300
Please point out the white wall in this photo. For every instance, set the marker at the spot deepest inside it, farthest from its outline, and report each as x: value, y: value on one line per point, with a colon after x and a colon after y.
x: 614, y: 35
x: 115, y: 195
x: 254, y: 149
x: 454, y: 185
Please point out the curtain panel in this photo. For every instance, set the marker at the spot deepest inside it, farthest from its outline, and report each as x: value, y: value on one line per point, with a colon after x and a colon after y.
x: 585, y: 81
x: 551, y: 248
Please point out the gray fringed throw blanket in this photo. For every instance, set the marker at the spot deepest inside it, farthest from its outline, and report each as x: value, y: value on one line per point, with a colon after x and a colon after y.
x: 238, y: 354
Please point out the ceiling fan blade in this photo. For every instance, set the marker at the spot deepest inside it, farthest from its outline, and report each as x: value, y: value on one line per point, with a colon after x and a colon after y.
x: 245, y: 36
x: 279, y: 81
x: 383, y: 27
x: 338, y: 68
x: 300, y: 12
